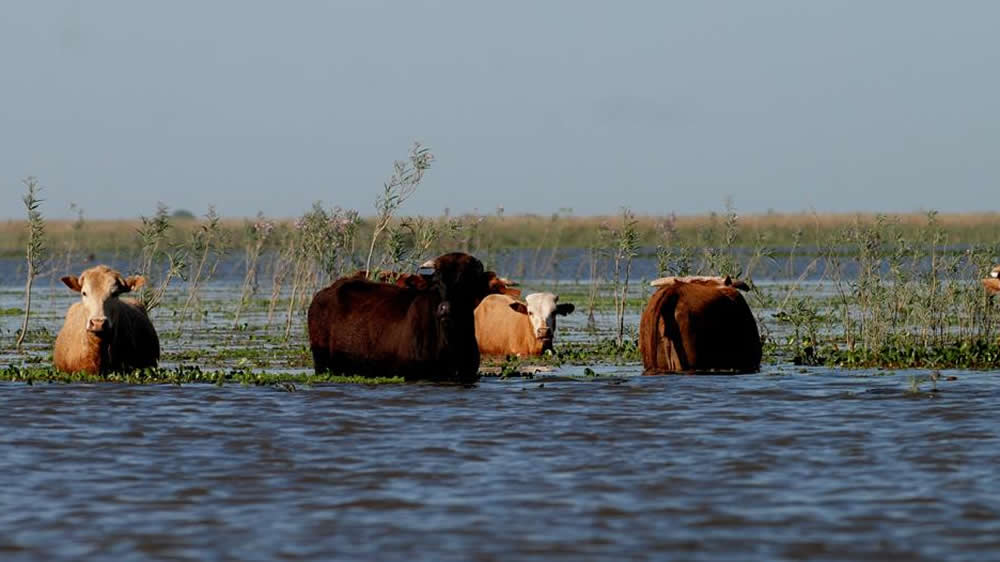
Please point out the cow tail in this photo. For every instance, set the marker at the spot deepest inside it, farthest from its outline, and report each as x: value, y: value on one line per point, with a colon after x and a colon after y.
x: 665, y: 298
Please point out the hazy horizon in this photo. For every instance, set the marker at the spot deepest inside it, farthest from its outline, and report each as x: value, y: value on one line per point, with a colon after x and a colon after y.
x: 659, y: 106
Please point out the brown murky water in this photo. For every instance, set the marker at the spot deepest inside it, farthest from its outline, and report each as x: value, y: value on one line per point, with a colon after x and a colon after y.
x: 821, y: 466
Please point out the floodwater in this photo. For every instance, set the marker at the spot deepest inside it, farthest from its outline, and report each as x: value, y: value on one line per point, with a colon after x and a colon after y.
x: 817, y: 465
x: 789, y: 464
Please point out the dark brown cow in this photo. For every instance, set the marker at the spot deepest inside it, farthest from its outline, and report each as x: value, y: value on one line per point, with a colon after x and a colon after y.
x: 696, y: 324
x: 369, y: 328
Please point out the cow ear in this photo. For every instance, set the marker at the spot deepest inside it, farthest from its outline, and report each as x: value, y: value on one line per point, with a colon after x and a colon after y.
x: 515, y: 293
x: 519, y: 307
x: 133, y: 282
x: 427, y: 269
x: 73, y: 283
x: 741, y: 285
x: 565, y: 308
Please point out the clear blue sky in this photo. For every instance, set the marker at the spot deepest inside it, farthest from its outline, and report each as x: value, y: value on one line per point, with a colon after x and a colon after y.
x: 537, y: 105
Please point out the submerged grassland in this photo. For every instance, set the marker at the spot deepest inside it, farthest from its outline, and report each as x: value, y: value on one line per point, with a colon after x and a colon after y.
x: 229, y: 297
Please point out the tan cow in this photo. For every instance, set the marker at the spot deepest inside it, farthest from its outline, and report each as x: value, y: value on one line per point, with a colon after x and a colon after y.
x: 698, y: 323
x: 505, y: 326
x: 103, y: 333
x: 992, y: 283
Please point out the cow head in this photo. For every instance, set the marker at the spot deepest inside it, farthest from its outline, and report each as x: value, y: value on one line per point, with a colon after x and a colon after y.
x: 460, y: 279
x: 542, y: 309
x: 992, y: 283
x: 502, y: 285
x: 97, y: 287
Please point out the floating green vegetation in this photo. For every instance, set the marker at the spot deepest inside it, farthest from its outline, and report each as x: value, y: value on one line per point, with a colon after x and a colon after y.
x: 187, y: 375
x: 602, y: 351
x: 12, y: 311
x: 261, y: 356
x: 964, y: 354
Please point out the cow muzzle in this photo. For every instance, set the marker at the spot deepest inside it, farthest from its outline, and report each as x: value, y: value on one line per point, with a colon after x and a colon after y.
x: 98, y: 324
x: 443, y: 312
x: 544, y: 335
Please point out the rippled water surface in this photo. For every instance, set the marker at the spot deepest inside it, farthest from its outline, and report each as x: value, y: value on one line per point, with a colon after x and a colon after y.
x: 784, y: 465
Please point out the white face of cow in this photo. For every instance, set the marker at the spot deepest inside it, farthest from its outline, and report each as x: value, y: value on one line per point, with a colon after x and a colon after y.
x: 542, y: 310
x: 97, y: 287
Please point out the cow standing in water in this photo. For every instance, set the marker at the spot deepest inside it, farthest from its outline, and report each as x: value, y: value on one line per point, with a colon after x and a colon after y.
x: 375, y: 329
x: 698, y: 323
x: 506, y: 326
x: 103, y: 333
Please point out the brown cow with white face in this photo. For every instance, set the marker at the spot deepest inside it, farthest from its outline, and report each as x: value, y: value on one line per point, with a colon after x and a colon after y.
x: 698, y: 324
x: 103, y: 333
x: 992, y: 283
x: 506, y: 326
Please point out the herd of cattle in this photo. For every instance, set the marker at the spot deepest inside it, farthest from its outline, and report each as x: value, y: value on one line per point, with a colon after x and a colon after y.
x: 433, y: 325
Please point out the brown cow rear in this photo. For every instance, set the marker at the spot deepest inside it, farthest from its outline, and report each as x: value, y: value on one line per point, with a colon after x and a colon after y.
x: 103, y: 333
x: 695, y: 324
x: 368, y: 328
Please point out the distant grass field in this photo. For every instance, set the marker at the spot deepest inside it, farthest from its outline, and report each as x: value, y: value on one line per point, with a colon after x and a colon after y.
x: 469, y: 232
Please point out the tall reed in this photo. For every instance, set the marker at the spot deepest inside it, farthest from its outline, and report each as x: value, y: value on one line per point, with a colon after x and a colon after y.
x: 405, y: 178
x: 207, y: 245
x: 317, y: 251
x: 154, y: 246
x: 256, y: 236
x: 624, y: 247
x: 35, y: 250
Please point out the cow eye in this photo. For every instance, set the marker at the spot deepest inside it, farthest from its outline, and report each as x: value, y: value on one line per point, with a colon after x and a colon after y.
x: 84, y: 293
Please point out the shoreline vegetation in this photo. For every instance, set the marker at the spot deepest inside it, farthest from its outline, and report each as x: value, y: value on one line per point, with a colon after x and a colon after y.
x: 779, y: 230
